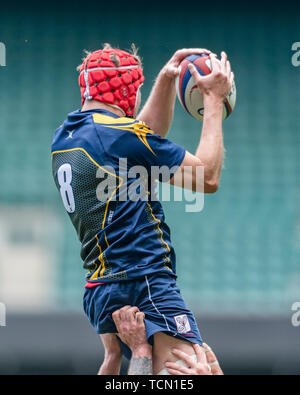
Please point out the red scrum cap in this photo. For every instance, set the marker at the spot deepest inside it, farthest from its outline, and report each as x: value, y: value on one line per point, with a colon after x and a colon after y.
x: 113, y: 77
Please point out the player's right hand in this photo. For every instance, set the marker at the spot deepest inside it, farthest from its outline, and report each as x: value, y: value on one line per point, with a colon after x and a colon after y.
x: 131, y: 329
x: 218, y: 83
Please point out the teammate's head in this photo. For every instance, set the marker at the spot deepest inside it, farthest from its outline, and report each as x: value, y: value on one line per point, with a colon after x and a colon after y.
x: 113, y: 77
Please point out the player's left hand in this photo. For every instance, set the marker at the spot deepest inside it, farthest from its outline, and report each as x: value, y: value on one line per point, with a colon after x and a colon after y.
x: 171, y: 69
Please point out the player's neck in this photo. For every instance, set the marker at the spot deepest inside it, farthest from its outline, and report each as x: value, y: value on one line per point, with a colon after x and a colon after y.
x: 97, y: 105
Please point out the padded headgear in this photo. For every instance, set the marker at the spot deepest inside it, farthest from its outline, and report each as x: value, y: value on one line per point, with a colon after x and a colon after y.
x: 111, y: 76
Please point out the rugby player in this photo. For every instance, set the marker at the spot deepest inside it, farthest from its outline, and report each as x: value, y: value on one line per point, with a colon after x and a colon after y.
x: 126, y: 245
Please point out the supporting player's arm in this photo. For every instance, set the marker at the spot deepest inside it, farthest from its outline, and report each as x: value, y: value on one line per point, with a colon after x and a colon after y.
x: 129, y: 322
x: 209, y: 154
x: 113, y: 355
x: 158, y: 111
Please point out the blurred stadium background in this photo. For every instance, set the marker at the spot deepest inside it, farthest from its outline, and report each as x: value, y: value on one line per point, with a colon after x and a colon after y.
x: 237, y: 261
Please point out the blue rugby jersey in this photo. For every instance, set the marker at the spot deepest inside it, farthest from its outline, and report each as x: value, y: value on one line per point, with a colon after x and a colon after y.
x: 123, y: 237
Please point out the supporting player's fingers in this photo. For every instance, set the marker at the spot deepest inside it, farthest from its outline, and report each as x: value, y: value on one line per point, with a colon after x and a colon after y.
x: 212, y: 360
x: 116, y: 317
x: 124, y: 309
x: 130, y: 313
x: 140, y: 317
x: 210, y: 355
x: 216, y: 370
x: 184, y: 357
x: 176, y: 367
x: 200, y: 353
x: 123, y: 312
x: 174, y: 372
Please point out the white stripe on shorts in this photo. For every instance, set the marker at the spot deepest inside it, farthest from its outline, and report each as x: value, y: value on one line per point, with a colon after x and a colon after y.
x: 150, y: 298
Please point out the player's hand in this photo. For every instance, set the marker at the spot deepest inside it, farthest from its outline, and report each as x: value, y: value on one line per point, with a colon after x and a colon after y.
x: 171, y: 69
x: 218, y: 83
x: 212, y: 361
x: 131, y: 329
x: 206, y: 365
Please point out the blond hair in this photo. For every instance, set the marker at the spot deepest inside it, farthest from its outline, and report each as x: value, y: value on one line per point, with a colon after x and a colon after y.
x: 114, y: 57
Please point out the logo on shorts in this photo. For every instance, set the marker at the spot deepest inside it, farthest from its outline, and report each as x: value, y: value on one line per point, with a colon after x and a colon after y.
x: 182, y: 323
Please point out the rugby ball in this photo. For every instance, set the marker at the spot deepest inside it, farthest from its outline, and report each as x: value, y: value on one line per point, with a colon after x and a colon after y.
x: 188, y: 92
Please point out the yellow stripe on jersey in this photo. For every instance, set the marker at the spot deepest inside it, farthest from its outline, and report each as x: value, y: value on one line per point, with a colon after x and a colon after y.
x: 137, y: 127
x: 139, y: 131
x: 106, y: 239
x: 161, y: 234
x: 107, y: 120
x: 102, y: 265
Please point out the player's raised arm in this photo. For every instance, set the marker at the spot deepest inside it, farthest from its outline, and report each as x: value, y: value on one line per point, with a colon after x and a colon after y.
x: 158, y: 111
x: 214, y: 88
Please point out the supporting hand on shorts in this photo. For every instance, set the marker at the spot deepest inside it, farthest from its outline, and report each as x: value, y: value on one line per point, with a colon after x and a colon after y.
x: 131, y: 330
x: 206, y: 365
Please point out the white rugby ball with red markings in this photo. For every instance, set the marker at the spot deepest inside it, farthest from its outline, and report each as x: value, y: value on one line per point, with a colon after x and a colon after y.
x: 188, y: 92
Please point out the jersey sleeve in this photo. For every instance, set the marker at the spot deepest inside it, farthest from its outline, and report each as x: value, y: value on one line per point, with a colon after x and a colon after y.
x: 151, y: 150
